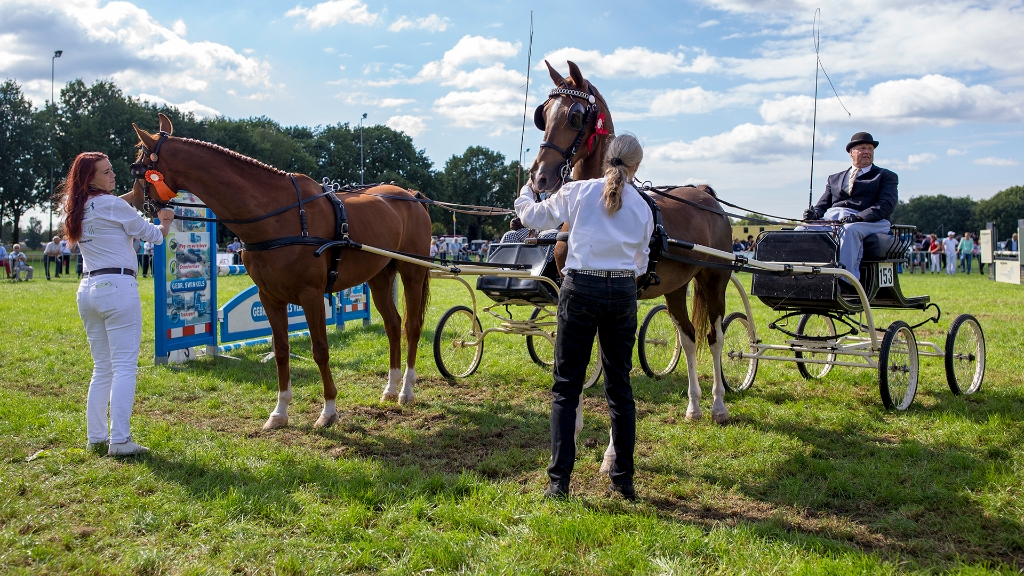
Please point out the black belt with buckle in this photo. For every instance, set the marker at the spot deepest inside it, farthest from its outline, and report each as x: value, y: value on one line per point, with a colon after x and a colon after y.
x: 607, y: 273
x: 102, y: 271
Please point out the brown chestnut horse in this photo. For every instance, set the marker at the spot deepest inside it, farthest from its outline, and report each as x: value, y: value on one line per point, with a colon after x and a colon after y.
x: 583, y: 150
x: 239, y: 188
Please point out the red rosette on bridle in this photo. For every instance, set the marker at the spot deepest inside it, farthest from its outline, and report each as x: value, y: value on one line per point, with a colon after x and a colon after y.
x: 598, y: 129
x: 156, y: 179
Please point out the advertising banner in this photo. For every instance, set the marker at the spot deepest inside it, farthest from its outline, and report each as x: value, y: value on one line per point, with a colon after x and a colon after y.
x: 186, y: 294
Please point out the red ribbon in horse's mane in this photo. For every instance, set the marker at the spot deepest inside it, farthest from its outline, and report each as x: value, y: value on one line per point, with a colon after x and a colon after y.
x: 598, y: 129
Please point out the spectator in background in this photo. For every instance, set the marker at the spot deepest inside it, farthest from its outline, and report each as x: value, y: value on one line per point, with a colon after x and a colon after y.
x: 485, y: 248
x: 77, y: 251
x: 738, y: 246
x: 19, y: 264
x: 966, y: 250
x: 65, y: 255
x: 147, y: 258
x: 949, y: 247
x: 433, y: 249
x: 935, y: 251
x: 5, y: 261
x: 51, y: 253
x: 924, y: 247
x: 750, y: 242
x: 977, y: 256
x: 235, y: 249
x: 1011, y: 244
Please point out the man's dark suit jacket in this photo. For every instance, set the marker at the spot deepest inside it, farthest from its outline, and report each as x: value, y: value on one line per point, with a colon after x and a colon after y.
x: 874, y: 194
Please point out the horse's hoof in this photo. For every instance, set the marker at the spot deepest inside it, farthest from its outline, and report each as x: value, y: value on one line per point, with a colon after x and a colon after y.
x: 606, y: 466
x: 694, y: 415
x: 324, y: 420
x: 389, y: 397
x: 275, y: 422
x: 720, y: 417
x: 404, y: 400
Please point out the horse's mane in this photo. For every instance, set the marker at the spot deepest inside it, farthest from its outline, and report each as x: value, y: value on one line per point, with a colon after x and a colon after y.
x: 234, y: 154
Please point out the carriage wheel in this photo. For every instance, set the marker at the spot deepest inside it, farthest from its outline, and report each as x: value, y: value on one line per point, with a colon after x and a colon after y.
x: 898, y: 366
x: 737, y: 373
x: 816, y: 325
x: 965, y: 355
x: 541, y: 349
x: 659, y: 344
x: 458, y: 343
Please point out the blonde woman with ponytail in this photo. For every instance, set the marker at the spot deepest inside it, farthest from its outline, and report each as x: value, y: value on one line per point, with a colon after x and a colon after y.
x: 610, y: 227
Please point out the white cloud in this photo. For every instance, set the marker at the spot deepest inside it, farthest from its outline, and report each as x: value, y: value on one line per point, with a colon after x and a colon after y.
x: 992, y: 161
x: 930, y: 100
x: 628, y: 62
x: 490, y: 107
x: 394, y: 102
x: 913, y: 162
x: 119, y: 41
x: 955, y: 152
x: 708, y: 24
x: 744, y: 144
x: 179, y: 28
x: 411, y: 125
x: 200, y: 110
x: 432, y: 23
x: 911, y: 37
x: 333, y: 12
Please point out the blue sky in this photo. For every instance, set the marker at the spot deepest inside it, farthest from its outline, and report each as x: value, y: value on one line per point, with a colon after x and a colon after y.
x: 719, y: 91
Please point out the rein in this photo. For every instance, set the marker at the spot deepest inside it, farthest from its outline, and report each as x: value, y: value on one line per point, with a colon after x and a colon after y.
x: 663, y: 192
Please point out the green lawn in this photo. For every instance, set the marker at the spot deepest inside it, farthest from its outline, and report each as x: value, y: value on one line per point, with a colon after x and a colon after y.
x: 808, y: 477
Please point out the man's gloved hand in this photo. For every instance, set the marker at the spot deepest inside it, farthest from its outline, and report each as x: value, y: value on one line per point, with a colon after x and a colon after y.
x: 851, y: 219
x: 810, y: 214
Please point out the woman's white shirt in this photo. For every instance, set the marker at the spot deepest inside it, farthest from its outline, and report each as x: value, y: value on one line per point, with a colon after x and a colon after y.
x: 597, y: 240
x: 108, y: 226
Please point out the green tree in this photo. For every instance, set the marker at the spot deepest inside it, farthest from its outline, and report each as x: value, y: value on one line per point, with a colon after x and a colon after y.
x: 479, y: 177
x: 935, y: 214
x: 1003, y: 209
x: 389, y: 155
x: 22, y: 149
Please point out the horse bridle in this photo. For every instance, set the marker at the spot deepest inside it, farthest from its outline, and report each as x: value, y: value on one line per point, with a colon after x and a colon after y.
x: 140, y: 171
x: 577, y: 110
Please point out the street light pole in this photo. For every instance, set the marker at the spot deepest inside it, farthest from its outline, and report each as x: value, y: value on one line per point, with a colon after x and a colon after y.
x: 53, y: 112
x: 361, y: 169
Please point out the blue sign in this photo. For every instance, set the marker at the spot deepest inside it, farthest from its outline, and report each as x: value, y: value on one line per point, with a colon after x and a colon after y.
x: 243, y: 317
x: 185, y: 292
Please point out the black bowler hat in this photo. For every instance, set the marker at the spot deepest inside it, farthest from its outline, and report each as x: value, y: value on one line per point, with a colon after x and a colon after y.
x: 861, y: 138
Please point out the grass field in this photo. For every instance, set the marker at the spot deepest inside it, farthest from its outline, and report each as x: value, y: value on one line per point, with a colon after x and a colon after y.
x: 807, y: 477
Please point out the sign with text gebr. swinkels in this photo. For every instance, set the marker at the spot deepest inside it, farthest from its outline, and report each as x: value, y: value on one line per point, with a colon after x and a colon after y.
x: 186, y: 283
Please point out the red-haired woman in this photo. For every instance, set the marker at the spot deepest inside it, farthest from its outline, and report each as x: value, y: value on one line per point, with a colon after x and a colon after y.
x: 103, y: 226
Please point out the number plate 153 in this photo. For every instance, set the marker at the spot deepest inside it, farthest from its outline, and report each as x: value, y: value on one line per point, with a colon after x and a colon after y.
x: 885, y: 274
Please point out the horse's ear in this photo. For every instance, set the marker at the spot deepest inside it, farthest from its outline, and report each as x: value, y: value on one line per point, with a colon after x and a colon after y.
x: 165, y: 124
x: 557, y: 78
x: 148, y: 140
x: 576, y: 75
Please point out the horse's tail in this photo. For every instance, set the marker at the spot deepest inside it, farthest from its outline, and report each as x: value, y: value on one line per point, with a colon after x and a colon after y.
x: 701, y: 324
x: 426, y: 298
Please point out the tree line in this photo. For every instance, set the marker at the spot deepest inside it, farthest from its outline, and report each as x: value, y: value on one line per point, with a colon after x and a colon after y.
x: 99, y: 117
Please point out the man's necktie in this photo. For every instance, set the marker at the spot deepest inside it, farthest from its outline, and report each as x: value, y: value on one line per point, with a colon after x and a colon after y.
x: 853, y: 176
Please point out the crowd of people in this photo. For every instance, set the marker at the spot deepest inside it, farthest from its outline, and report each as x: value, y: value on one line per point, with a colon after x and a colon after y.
x: 952, y: 254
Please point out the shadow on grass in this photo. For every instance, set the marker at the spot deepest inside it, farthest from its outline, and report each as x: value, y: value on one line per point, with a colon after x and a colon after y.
x: 921, y: 500
x: 496, y: 439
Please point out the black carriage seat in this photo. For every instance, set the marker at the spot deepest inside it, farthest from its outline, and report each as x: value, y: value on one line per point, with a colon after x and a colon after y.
x: 883, y: 254
x: 800, y: 292
x: 503, y: 289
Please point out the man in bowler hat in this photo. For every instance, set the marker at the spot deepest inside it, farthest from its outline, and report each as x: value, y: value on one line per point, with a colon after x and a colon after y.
x: 861, y: 197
